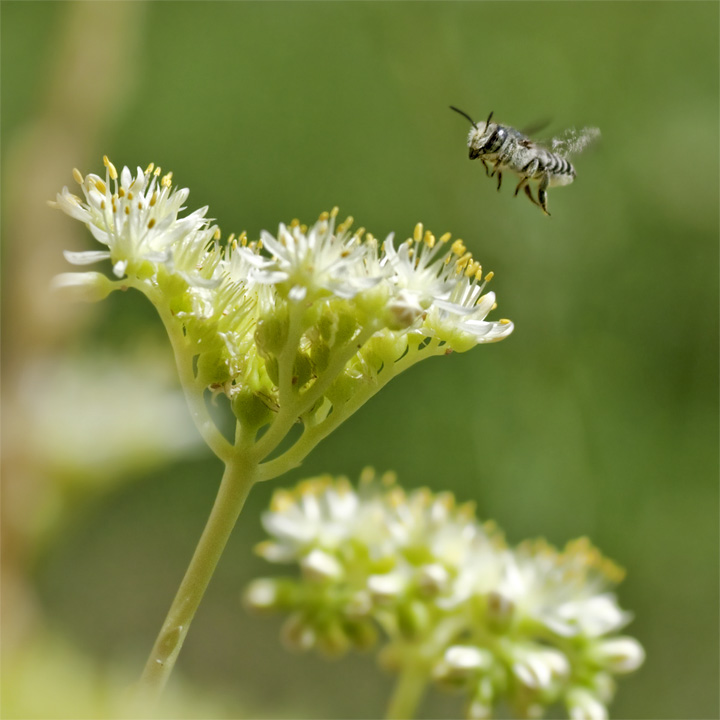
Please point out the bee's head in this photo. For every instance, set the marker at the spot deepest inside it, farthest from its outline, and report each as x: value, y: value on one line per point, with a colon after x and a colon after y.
x: 481, y: 134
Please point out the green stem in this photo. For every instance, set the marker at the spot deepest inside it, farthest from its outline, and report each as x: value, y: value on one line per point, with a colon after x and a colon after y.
x: 312, y: 436
x: 194, y: 395
x: 236, y: 483
x: 290, y: 412
x: 408, y: 691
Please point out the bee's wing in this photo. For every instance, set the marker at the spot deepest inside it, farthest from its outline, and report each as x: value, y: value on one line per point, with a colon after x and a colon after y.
x: 573, y: 141
x: 536, y: 127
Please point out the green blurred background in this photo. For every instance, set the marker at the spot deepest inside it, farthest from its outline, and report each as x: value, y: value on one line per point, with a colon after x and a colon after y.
x: 597, y: 417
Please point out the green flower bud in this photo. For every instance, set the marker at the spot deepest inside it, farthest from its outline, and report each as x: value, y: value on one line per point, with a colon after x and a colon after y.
x: 251, y: 410
x: 302, y: 370
x: 271, y: 334
x: 212, y: 369
x: 413, y: 618
x: 363, y: 634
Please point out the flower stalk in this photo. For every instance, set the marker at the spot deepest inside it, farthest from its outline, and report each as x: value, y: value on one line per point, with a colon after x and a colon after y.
x: 302, y: 327
x: 235, y: 486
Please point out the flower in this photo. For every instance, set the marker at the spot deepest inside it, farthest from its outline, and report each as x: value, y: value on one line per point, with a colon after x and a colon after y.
x: 135, y: 217
x: 530, y: 625
x: 304, y: 324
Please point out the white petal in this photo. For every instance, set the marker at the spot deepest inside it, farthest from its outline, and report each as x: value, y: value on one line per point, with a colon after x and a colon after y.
x: 86, y: 257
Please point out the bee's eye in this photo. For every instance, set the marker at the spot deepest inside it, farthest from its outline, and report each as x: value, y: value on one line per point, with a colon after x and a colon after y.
x: 501, y: 133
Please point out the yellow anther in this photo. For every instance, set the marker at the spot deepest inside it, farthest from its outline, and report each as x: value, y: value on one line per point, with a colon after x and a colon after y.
x: 294, y: 223
x: 130, y: 196
x: 231, y: 239
x: 127, y: 209
x: 458, y: 247
x: 259, y: 244
x: 445, y: 237
x: 464, y: 260
x: 281, y: 501
x: 370, y: 238
x: 489, y: 276
x: 217, y: 234
x: 359, y: 232
x: 494, y: 307
x: 471, y: 269
x: 303, y: 228
x: 418, y: 233
x: 242, y: 238
x: 77, y: 175
x: 167, y: 180
x: 429, y: 239
x: 478, y: 273
x: 324, y: 216
x: 121, y: 192
x: 100, y: 185
x: 157, y: 171
x: 149, y: 168
x: 154, y: 198
x: 345, y: 224
x: 334, y: 212
x: 110, y: 167
x: 151, y: 223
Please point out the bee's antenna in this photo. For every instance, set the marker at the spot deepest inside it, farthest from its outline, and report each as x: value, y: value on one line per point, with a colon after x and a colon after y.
x: 487, y: 122
x: 464, y: 114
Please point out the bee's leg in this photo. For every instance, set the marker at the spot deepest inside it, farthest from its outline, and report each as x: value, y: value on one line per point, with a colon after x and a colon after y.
x: 521, y: 184
x: 485, y: 165
x: 528, y: 171
x: 499, y: 180
x: 542, y: 195
x: 528, y: 192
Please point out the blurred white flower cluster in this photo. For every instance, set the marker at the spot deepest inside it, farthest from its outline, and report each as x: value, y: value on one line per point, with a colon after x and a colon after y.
x: 312, y: 320
x: 527, y: 627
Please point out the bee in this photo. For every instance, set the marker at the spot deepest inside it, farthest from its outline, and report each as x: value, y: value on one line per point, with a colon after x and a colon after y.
x: 510, y: 149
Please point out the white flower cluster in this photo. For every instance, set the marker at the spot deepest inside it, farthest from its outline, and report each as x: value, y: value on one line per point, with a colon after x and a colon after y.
x: 528, y: 626
x: 308, y: 318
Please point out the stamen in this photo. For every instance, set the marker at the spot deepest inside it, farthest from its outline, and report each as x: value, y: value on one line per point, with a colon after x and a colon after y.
x: 110, y: 167
x: 418, y: 233
x: 458, y: 248
x: 77, y: 175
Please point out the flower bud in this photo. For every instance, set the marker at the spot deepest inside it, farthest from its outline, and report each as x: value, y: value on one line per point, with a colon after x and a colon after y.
x: 271, y: 334
x: 413, y: 618
x: 583, y: 705
x: 250, y: 410
x: 618, y: 655
x: 83, y: 286
x: 320, y: 566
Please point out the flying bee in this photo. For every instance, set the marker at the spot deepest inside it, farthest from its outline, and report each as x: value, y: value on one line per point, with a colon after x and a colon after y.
x: 509, y: 149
